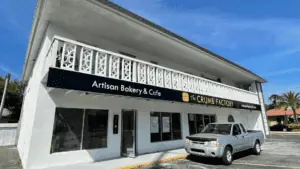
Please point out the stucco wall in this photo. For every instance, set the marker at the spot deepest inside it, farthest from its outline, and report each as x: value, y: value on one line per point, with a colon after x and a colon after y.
x: 32, y: 91
x: 39, y: 109
x: 44, y: 120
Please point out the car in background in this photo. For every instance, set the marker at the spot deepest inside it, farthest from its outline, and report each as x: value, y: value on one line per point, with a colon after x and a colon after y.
x: 280, y: 127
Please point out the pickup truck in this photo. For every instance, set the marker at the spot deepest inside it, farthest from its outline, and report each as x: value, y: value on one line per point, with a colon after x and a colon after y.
x: 222, y: 140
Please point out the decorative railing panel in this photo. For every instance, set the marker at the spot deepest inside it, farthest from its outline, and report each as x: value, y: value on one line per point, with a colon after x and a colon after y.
x: 76, y: 56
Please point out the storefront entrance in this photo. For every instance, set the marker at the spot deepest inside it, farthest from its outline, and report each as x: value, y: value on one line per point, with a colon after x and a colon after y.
x: 198, y: 121
x: 128, y: 141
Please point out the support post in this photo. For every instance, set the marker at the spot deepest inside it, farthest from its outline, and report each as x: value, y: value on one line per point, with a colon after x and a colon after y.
x: 7, y: 78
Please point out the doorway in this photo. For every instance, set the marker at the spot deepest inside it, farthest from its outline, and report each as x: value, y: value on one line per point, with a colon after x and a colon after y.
x: 128, y: 141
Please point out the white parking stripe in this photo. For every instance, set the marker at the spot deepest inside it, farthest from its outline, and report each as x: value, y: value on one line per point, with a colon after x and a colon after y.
x: 198, y: 166
x: 267, y: 165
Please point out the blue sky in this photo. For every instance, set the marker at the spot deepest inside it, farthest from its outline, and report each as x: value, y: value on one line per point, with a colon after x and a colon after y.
x: 263, y: 36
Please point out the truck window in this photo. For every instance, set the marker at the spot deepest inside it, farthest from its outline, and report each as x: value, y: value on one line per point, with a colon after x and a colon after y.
x: 236, y: 130
x: 217, y: 129
x: 243, y: 128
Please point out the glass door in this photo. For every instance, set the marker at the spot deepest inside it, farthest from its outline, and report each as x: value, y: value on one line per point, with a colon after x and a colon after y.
x: 128, y: 133
x: 198, y: 121
x: 195, y: 123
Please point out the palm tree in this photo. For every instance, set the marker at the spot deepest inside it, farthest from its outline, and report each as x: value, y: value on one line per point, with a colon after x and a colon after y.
x: 289, y: 100
x: 274, y: 98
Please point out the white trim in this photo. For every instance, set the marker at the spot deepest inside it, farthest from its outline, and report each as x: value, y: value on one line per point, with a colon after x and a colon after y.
x: 144, y: 62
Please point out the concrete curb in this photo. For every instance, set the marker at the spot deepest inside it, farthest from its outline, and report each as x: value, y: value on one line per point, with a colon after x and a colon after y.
x: 136, y: 166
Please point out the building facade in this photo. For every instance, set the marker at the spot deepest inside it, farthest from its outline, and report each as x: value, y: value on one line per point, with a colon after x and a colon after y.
x: 103, y: 82
x: 282, y: 116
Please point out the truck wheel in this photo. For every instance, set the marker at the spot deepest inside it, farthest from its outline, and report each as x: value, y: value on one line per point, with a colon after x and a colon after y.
x: 256, y: 149
x: 227, y: 156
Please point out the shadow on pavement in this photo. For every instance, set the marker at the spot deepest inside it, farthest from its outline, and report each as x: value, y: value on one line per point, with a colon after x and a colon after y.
x: 205, y: 160
x: 217, y: 161
x: 157, y: 164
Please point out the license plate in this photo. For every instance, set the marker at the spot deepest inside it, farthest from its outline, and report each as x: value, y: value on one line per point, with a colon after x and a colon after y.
x: 198, y: 146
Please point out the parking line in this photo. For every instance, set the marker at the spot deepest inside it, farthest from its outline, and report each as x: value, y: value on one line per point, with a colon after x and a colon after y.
x: 197, y: 166
x: 266, y: 165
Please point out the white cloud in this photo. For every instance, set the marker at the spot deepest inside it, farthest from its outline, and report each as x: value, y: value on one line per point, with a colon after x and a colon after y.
x: 9, y: 70
x: 282, y: 72
x: 218, y: 29
x: 271, y: 41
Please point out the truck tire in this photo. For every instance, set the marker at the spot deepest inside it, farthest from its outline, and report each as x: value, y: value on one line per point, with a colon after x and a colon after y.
x: 256, y: 148
x: 227, y: 156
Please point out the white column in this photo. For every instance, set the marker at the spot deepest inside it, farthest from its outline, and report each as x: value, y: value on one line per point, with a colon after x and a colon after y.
x: 263, y: 109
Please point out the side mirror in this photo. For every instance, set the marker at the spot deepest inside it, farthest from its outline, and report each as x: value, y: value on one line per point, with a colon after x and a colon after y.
x: 235, y: 133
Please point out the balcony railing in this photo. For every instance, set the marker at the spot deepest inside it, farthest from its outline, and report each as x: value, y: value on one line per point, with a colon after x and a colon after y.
x: 75, y: 56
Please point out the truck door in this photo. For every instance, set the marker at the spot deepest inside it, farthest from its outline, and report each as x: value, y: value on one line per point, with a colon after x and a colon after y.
x: 237, y: 138
x: 246, y: 138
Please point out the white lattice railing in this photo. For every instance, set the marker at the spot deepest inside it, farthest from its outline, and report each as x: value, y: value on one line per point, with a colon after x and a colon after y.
x: 75, y: 56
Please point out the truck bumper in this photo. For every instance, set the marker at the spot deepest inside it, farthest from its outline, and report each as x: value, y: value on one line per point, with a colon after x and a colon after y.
x: 204, y: 151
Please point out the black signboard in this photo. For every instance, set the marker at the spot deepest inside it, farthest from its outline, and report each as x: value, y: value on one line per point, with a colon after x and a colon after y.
x: 58, y: 78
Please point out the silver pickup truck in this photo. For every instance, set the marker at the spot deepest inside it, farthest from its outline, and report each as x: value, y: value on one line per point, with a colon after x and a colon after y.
x: 222, y: 140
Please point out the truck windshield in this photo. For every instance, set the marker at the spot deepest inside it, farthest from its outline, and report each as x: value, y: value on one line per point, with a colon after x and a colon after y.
x: 217, y: 129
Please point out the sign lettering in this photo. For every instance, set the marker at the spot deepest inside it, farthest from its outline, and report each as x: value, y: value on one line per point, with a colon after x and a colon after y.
x: 58, y: 78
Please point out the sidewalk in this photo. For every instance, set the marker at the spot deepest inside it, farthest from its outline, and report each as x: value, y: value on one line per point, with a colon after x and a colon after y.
x: 130, y: 163
x: 9, y: 158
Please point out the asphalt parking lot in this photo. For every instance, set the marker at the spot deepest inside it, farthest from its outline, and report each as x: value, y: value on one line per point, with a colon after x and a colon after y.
x: 279, y: 151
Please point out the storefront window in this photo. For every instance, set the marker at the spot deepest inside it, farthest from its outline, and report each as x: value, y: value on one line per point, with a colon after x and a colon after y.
x: 165, y: 126
x: 230, y: 118
x: 198, y: 121
x: 67, y: 130
x: 95, y: 129
x: 212, y: 118
x: 176, y: 126
x: 155, y: 126
x: 206, y: 120
x: 192, y: 124
x: 76, y: 129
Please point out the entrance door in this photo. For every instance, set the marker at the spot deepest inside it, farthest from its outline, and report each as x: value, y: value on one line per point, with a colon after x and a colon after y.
x: 128, y: 133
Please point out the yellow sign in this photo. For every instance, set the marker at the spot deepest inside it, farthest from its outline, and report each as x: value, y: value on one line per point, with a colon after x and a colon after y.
x: 185, y: 97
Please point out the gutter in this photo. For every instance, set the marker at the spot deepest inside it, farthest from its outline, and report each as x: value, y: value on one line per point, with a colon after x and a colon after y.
x: 38, y: 8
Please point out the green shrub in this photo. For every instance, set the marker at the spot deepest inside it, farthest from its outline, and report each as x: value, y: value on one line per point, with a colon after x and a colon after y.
x: 294, y: 126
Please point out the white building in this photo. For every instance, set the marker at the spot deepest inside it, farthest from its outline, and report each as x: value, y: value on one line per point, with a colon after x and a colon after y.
x: 103, y: 82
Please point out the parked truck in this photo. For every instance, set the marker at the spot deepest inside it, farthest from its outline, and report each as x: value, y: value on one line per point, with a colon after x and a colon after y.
x: 222, y: 140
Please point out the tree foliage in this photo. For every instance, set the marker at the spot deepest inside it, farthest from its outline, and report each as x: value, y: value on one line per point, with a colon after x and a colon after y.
x: 13, y: 99
x: 287, y: 100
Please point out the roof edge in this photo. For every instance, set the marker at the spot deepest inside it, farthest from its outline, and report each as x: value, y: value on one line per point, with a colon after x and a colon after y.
x: 32, y: 35
x: 178, y: 37
x: 138, y: 18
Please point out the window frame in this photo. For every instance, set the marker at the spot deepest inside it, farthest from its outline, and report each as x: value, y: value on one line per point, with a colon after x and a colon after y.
x: 57, y: 110
x: 238, y: 126
x: 243, y: 128
x: 82, y: 129
x: 160, y: 119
